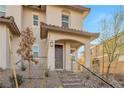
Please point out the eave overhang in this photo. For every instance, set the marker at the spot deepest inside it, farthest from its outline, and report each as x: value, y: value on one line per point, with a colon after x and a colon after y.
x: 73, y: 7
x: 45, y: 28
x: 9, y: 21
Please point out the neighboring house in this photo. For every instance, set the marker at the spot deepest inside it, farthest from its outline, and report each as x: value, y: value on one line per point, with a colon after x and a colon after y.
x: 8, y: 33
x: 58, y: 31
x: 97, y: 53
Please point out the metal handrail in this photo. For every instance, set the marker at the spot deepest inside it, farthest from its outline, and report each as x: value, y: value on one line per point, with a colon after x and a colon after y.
x: 96, y: 75
x: 33, y: 57
x: 18, y: 61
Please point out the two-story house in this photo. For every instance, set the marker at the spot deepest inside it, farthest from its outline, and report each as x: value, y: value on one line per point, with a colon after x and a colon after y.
x: 58, y: 31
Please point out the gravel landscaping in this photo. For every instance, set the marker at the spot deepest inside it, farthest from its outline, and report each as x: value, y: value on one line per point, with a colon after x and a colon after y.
x: 56, y: 79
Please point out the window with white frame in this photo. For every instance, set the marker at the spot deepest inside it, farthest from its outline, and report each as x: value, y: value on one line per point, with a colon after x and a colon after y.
x: 35, y: 20
x: 65, y: 20
x: 35, y: 50
x: 2, y: 10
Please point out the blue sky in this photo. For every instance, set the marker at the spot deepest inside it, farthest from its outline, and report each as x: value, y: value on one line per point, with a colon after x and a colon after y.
x: 96, y: 14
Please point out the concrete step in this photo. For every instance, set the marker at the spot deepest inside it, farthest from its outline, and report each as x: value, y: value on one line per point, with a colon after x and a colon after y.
x: 72, y: 77
x: 72, y: 74
x: 71, y: 80
x: 69, y: 76
x: 72, y: 85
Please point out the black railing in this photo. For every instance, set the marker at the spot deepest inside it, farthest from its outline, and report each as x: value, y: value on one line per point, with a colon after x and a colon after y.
x: 18, y: 61
x: 97, y: 76
x: 33, y: 57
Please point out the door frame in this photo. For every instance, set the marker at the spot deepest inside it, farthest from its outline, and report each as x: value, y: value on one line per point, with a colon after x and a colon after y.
x: 62, y: 44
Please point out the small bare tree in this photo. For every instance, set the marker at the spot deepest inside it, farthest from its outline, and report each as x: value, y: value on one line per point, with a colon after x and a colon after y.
x: 110, y: 30
x: 25, y: 48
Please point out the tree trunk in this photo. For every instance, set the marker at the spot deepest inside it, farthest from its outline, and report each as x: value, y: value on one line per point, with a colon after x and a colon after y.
x: 30, y: 79
x: 103, y: 61
x: 14, y: 74
x: 108, y: 70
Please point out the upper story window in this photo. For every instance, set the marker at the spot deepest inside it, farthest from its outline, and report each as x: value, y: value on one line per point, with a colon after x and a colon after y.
x: 65, y: 20
x: 35, y: 20
x: 35, y: 50
x: 2, y: 10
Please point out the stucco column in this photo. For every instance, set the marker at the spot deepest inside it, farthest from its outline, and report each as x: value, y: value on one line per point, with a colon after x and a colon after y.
x: 87, y: 55
x: 68, y: 56
x: 51, y: 55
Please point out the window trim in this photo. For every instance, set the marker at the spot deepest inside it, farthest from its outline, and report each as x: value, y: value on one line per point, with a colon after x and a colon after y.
x: 65, y: 21
x: 3, y: 11
x: 36, y: 45
x: 33, y: 19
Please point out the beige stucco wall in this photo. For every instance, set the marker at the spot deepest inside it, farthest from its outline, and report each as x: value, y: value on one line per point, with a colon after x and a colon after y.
x: 27, y: 18
x: 15, y: 45
x: 28, y: 22
x: 61, y: 35
x: 53, y: 16
x: 8, y: 47
x: 5, y: 55
x: 16, y: 12
x: 3, y: 46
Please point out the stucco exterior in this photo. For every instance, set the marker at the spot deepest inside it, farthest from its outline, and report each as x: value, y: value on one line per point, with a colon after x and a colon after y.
x: 3, y: 46
x: 55, y: 12
x: 8, y: 47
x: 23, y: 16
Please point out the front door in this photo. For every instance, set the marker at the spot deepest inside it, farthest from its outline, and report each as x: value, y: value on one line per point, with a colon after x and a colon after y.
x: 58, y: 57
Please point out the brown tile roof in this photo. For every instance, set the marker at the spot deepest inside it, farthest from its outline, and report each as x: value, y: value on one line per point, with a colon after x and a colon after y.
x: 9, y: 21
x: 78, y: 7
x: 74, y: 7
x: 36, y: 7
x: 45, y: 28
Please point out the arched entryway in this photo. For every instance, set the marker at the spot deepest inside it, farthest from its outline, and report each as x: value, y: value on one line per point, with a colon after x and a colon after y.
x: 66, y: 54
x: 55, y: 34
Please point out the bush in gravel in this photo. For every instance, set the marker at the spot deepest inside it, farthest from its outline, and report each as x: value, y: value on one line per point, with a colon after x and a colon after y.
x: 1, y: 69
x: 19, y: 80
x: 47, y: 73
x: 88, y: 77
x: 23, y: 67
x: 123, y: 85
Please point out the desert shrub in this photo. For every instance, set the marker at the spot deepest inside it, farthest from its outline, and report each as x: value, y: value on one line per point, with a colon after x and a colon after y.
x: 88, y: 77
x: 47, y: 73
x: 23, y: 67
x: 19, y: 80
x: 1, y: 69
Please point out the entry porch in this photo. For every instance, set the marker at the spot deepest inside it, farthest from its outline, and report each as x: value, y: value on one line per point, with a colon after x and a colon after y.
x: 63, y: 44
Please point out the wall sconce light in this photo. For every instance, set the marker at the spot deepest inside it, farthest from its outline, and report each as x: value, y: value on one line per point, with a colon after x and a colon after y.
x: 51, y: 44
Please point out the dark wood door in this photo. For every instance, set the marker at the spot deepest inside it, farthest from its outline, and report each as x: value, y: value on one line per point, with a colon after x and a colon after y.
x: 58, y: 57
